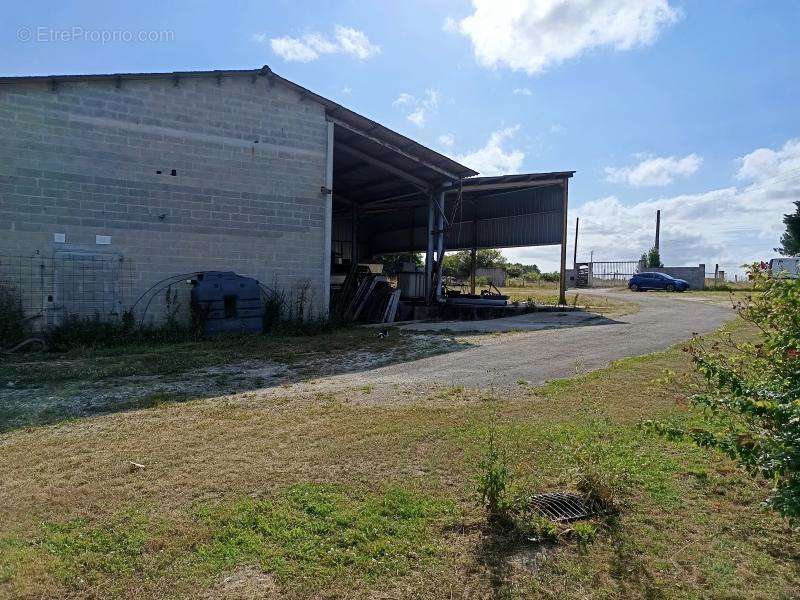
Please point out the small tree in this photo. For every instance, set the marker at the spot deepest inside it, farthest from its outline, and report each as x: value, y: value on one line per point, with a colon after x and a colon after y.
x: 790, y: 240
x: 651, y: 259
x: 751, y: 392
x: 458, y: 263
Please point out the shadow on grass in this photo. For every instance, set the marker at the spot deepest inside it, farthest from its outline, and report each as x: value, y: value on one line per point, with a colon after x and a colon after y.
x: 503, y: 550
x: 40, y: 389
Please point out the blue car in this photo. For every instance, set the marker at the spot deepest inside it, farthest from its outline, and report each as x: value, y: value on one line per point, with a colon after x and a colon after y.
x: 657, y: 281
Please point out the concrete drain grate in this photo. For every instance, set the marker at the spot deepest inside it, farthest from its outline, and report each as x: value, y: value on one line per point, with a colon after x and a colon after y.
x: 565, y: 507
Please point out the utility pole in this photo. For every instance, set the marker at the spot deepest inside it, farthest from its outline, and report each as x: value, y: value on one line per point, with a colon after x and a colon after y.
x: 575, y: 252
x: 658, y: 231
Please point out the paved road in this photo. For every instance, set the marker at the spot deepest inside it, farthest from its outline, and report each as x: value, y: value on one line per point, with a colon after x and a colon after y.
x: 538, y: 356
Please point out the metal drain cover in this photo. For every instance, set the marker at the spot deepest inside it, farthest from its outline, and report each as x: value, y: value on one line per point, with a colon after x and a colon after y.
x: 564, y: 506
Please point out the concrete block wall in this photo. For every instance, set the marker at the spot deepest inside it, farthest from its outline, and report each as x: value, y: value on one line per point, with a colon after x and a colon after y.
x: 248, y: 158
x: 695, y: 276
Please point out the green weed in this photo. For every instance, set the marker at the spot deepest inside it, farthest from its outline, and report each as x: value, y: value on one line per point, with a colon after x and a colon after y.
x: 87, y: 550
x: 318, y: 533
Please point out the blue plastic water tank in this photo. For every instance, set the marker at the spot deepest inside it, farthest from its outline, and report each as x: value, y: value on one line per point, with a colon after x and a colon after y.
x: 227, y: 303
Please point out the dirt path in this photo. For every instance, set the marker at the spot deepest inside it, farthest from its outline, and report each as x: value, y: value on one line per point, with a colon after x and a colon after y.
x: 539, y: 356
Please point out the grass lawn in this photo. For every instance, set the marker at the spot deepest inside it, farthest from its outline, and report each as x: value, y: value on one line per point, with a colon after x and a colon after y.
x: 359, y: 496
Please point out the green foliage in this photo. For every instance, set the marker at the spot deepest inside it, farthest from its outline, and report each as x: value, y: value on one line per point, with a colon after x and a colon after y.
x: 87, y: 551
x: 316, y: 532
x: 651, y: 259
x: 13, y: 325
x: 392, y: 263
x: 77, y: 332
x: 751, y: 395
x: 14, y: 552
x: 493, y: 478
x: 518, y: 270
x: 456, y: 264
x: 551, y: 277
x: 584, y: 534
x: 790, y: 240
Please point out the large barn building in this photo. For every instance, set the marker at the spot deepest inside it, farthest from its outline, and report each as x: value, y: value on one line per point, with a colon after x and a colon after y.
x: 110, y: 184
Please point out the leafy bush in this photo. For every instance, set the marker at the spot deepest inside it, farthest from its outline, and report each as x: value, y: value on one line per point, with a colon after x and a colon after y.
x: 751, y: 392
x: 13, y: 325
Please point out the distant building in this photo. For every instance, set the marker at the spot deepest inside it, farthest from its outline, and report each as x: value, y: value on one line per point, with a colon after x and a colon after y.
x: 496, y: 275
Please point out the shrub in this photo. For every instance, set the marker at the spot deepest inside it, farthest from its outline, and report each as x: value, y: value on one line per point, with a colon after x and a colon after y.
x: 81, y: 332
x: 751, y: 392
x: 493, y: 478
x: 13, y: 325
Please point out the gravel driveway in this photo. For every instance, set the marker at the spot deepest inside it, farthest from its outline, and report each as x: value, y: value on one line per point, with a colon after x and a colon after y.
x: 538, y: 356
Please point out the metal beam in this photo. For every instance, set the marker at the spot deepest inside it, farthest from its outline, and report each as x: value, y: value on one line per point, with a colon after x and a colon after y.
x: 429, y: 251
x: 440, y: 222
x: 327, y: 223
x: 416, y: 159
x: 575, y: 254
x: 562, y: 282
x: 522, y: 185
x: 420, y: 183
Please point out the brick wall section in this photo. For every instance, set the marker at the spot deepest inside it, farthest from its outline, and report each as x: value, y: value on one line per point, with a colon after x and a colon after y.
x: 249, y: 159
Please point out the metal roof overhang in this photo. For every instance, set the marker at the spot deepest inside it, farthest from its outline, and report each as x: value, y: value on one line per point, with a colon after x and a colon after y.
x: 485, y: 212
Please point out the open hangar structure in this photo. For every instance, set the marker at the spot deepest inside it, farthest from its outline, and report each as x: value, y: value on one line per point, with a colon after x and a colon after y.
x: 245, y: 171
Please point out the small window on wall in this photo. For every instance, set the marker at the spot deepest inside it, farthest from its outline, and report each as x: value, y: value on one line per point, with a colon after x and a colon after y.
x: 230, y: 307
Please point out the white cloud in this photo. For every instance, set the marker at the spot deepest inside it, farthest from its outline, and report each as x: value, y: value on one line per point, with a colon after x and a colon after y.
x: 417, y: 117
x: 447, y: 140
x: 404, y: 99
x: 418, y: 109
x: 529, y: 35
x: 311, y: 46
x: 493, y: 158
x: 355, y: 42
x: 523, y: 92
x: 346, y: 90
x: 765, y: 163
x: 657, y: 171
x: 293, y: 49
x: 730, y: 226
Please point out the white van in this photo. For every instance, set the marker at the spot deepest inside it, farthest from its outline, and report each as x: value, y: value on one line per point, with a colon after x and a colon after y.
x: 784, y: 267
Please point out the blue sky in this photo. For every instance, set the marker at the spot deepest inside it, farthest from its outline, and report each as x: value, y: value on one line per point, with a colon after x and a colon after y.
x: 688, y: 106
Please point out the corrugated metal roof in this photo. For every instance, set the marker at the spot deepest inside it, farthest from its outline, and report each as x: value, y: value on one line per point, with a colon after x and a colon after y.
x: 506, y: 218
